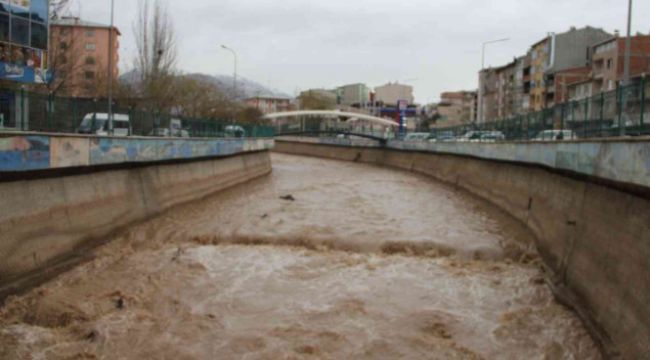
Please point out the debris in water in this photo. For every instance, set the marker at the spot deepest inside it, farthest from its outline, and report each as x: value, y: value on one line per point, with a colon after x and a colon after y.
x: 92, y: 336
x: 288, y: 198
x: 177, y: 254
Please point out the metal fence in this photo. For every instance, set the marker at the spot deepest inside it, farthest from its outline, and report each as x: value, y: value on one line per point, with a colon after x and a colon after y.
x: 26, y: 111
x: 622, y: 112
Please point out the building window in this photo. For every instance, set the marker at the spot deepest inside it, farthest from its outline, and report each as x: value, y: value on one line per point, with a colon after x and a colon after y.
x: 39, y: 36
x: 89, y: 75
x: 90, y: 33
x: 609, y: 63
x: 90, y: 60
x: 4, y: 27
x: 90, y: 47
x: 20, y: 31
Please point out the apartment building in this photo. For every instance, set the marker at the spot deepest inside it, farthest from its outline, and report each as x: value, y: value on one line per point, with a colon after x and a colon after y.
x: 269, y: 104
x: 557, y: 53
x: 353, y: 94
x: 79, y: 52
x: 457, y: 108
x: 392, y: 93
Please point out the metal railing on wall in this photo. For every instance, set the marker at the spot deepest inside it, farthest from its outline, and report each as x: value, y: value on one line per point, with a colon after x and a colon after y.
x: 21, y: 110
x: 621, y: 112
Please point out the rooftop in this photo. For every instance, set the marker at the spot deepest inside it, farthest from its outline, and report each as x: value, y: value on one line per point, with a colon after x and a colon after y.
x: 77, y: 22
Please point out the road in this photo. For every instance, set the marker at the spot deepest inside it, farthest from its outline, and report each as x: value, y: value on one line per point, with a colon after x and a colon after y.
x: 321, y: 259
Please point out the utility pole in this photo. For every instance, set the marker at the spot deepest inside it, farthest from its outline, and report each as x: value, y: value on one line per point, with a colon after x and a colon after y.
x: 481, y: 115
x: 626, y: 70
x: 628, y: 45
x: 110, y: 70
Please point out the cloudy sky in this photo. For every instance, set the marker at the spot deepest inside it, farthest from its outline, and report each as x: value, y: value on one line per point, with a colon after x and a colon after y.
x: 292, y: 45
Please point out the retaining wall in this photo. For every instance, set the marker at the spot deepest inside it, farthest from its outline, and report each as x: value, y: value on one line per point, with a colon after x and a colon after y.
x: 594, y: 239
x: 48, y: 220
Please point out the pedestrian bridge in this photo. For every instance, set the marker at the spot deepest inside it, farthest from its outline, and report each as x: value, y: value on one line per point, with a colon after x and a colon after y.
x: 332, y: 114
x: 332, y: 122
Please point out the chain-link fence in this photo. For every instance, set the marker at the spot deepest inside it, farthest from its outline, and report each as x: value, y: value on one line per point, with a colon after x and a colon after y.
x: 622, y: 112
x: 27, y: 111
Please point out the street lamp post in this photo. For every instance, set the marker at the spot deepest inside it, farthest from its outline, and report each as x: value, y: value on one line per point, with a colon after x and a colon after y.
x: 234, y: 82
x: 480, y: 88
x: 110, y: 70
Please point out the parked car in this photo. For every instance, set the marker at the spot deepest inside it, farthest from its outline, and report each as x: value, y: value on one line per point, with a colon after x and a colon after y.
x: 160, y: 132
x: 175, y: 130
x: 555, y: 135
x: 444, y: 136
x: 491, y: 136
x: 417, y: 136
x: 478, y: 136
x: 235, y: 131
x: 97, y: 124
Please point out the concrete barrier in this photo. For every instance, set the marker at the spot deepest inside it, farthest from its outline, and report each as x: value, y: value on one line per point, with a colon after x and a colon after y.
x: 594, y: 239
x: 48, y: 222
x: 20, y: 153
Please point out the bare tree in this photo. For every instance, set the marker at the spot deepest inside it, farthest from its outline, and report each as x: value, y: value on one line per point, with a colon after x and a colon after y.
x: 200, y: 99
x: 58, y: 7
x: 65, y: 61
x: 156, y: 53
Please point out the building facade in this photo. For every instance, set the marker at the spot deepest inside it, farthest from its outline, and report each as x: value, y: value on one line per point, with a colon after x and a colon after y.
x: 269, y: 104
x: 353, y: 95
x: 557, y: 53
x: 608, y: 64
x: 80, y: 59
x: 457, y: 108
x: 392, y: 93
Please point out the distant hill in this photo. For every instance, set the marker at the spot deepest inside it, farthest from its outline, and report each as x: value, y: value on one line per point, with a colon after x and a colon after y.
x: 245, y: 88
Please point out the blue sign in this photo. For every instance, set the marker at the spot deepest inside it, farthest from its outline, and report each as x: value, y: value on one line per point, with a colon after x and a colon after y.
x: 24, y: 40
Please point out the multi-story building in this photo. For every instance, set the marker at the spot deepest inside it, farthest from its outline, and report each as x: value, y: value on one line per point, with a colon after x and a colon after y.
x: 562, y: 81
x: 504, y: 91
x: 457, y: 108
x: 79, y: 52
x: 354, y: 94
x: 607, y: 66
x: 556, y: 53
x: 269, y: 104
x: 608, y: 63
x: 392, y: 93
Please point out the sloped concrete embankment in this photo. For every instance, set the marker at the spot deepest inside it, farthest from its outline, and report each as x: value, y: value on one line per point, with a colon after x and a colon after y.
x: 594, y: 238
x: 48, y: 224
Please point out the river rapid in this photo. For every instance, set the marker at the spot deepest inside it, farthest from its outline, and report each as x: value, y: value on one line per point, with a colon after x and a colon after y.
x: 319, y: 260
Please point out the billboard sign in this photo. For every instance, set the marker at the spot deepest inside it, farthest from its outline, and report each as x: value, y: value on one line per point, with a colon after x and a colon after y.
x: 24, y: 34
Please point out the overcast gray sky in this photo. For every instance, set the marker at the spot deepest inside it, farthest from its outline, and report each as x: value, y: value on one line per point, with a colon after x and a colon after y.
x: 434, y: 45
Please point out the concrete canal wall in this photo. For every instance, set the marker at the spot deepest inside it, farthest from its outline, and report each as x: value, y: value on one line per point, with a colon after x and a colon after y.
x: 591, y: 220
x: 61, y: 195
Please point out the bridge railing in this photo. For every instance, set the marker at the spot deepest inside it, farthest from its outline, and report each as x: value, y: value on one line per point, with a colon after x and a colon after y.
x: 21, y: 111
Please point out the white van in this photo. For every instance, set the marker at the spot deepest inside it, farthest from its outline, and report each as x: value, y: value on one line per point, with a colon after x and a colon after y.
x: 97, y: 124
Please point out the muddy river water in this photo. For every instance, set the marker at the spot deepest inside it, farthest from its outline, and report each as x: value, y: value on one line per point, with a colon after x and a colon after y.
x: 322, y: 260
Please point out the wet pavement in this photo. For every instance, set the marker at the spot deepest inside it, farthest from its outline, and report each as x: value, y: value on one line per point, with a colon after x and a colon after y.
x: 322, y: 260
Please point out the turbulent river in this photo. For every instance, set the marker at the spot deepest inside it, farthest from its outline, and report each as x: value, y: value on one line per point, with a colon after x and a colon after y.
x: 321, y: 259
